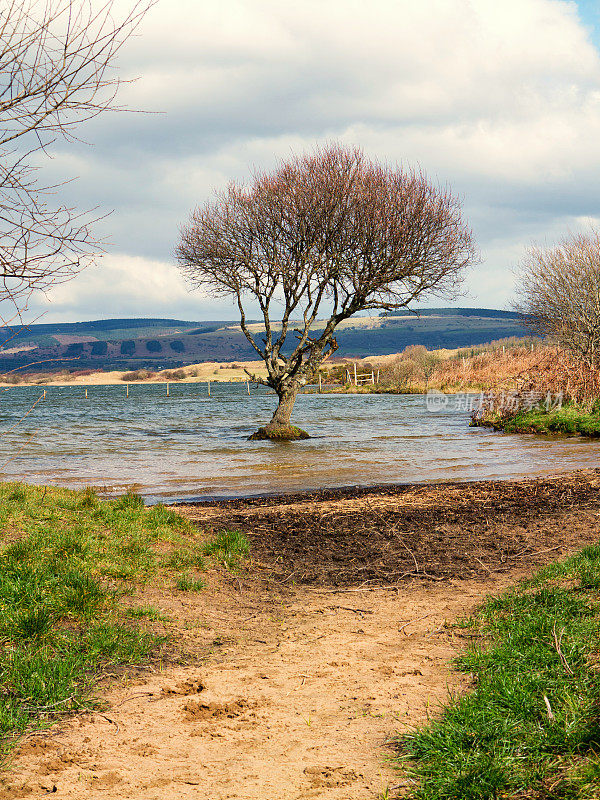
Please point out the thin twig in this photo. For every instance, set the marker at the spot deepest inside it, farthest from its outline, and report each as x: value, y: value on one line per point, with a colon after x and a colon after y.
x: 355, y: 610
x: 410, y: 622
x: 557, y: 644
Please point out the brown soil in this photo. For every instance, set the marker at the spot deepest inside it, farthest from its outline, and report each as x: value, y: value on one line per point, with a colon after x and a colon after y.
x: 297, y: 671
x: 350, y: 537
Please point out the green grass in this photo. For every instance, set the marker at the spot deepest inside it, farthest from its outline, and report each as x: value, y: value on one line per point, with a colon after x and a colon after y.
x: 569, y: 419
x: 540, y: 647
x: 67, y: 559
x: 228, y: 547
x: 187, y: 583
x: 147, y: 612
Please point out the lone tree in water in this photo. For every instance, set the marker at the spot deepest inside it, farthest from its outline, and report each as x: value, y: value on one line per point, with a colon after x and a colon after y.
x: 329, y: 233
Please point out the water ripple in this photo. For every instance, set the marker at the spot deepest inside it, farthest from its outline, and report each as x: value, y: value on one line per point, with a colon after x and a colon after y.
x: 189, y: 445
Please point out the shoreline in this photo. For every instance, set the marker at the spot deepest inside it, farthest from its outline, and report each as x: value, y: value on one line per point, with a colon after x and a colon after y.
x: 358, y: 491
x: 310, y: 389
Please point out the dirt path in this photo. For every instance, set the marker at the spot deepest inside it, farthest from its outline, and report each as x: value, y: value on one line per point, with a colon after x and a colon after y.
x: 298, y: 702
x: 294, y: 690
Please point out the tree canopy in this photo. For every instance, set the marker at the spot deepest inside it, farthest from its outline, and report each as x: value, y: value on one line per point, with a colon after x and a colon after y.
x: 330, y: 233
x: 559, y: 292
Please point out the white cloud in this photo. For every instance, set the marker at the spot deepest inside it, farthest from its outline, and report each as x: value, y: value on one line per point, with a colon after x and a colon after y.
x: 129, y: 286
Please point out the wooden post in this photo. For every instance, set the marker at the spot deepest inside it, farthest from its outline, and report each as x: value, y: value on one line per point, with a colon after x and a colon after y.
x: 372, y: 377
x: 320, y: 382
x: 377, y: 377
x: 167, y: 388
x: 127, y: 385
x: 86, y: 397
x: 503, y: 349
x: 209, y: 388
x: 355, y: 380
x: 248, y: 386
x: 44, y: 394
x: 532, y: 347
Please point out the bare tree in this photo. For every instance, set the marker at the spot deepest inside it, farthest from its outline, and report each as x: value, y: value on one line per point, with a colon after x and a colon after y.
x: 329, y: 232
x: 559, y: 295
x: 56, y: 60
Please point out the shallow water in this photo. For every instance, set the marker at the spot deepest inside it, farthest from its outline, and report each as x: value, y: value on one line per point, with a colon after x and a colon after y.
x: 191, y: 446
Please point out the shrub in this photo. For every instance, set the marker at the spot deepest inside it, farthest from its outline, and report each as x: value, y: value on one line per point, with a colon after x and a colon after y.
x: 137, y: 375
x: 174, y: 374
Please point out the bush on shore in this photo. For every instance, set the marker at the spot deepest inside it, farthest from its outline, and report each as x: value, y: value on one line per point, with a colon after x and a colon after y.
x: 568, y: 419
x: 174, y: 374
x: 502, y: 364
x: 137, y: 375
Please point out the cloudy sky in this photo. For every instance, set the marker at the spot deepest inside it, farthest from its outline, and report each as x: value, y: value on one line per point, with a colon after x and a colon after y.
x: 501, y: 100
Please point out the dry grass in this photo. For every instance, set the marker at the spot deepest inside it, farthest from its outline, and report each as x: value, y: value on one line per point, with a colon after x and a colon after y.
x: 500, y: 365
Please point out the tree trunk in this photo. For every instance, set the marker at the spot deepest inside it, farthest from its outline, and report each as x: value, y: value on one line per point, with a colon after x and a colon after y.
x: 283, y: 412
x: 279, y: 427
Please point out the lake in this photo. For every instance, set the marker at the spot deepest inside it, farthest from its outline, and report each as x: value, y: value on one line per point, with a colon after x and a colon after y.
x: 191, y: 446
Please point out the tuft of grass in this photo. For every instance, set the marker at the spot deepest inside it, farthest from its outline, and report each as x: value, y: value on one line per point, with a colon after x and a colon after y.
x: 228, y: 547
x: 530, y: 727
x: 185, y: 557
x: 187, y: 583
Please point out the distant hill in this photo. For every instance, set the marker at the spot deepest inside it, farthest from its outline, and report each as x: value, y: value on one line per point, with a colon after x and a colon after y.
x: 453, y: 312
x: 160, y: 343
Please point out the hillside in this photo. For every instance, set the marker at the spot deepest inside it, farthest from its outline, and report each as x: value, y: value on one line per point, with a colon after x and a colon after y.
x: 159, y: 343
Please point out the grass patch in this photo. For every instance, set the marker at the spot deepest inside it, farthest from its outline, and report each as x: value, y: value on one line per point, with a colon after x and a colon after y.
x: 147, y: 612
x: 530, y: 728
x: 66, y: 561
x: 570, y: 419
x: 187, y: 583
x: 228, y: 547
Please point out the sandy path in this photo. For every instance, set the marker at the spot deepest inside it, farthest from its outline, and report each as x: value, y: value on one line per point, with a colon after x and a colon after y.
x: 300, y: 698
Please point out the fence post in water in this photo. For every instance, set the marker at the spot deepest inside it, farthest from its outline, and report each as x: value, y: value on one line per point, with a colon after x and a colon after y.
x: 248, y: 386
x: 167, y: 388
x: 86, y: 397
x: 127, y: 386
x: 209, y: 388
x: 44, y: 394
